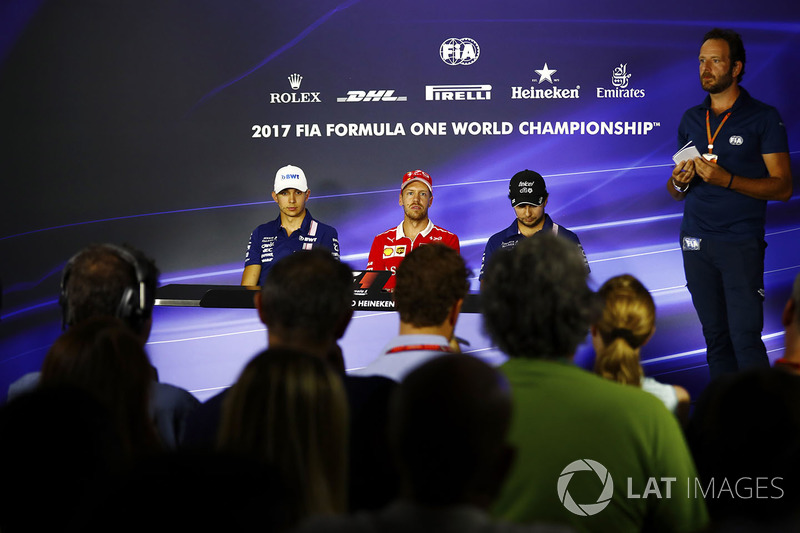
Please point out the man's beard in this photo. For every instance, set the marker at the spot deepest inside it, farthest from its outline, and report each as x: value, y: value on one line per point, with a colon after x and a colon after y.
x: 720, y: 85
x: 533, y: 224
x: 416, y: 214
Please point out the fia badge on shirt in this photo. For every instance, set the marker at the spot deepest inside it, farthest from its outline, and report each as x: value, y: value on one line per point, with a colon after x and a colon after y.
x: 690, y: 244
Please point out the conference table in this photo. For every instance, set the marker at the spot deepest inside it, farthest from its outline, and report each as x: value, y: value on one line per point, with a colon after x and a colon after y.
x: 368, y: 295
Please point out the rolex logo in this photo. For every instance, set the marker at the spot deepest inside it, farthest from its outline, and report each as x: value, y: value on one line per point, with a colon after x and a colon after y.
x: 294, y: 97
x: 295, y: 80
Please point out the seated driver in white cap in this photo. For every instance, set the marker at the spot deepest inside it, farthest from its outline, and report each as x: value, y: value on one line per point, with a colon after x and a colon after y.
x: 294, y: 229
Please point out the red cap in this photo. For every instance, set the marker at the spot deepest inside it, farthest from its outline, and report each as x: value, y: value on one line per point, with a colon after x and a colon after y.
x: 417, y: 175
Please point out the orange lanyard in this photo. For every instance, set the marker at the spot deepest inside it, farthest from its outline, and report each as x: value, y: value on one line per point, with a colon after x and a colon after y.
x: 423, y: 347
x: 708, y: 130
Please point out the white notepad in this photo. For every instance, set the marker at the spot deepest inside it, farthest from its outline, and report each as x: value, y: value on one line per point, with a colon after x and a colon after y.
x: 689, y: 151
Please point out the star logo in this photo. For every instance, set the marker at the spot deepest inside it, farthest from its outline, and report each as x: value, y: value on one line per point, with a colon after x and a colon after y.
x: 545, y: 74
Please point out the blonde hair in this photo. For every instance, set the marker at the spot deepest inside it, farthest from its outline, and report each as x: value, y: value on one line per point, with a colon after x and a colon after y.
x: 289, y: 411
x: 627, y: 321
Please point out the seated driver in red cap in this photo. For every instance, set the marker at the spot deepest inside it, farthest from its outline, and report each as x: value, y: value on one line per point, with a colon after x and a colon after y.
x: 391, y: 247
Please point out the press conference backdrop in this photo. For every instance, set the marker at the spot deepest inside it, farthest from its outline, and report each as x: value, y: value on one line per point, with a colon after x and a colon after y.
x: 161, y: 124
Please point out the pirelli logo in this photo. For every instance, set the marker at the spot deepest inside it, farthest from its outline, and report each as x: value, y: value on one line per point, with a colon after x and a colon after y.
x: 458, y: 92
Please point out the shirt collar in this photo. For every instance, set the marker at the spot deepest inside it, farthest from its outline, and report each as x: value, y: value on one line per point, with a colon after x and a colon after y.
x: 415, y: 338
x: 306, y: 220
x: 399, y: 233
x: 513, y: 229
x: 741, y: 100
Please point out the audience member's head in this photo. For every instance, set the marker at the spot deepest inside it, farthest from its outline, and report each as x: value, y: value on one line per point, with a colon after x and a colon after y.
x: 306, y: 301
x: 450, y: 419
x: 288, y: 410
x: 57, y: 444
x: 625, y: 325
x: 535, y: 299
x: 745, y: 438
x: 430, y: 283
x: 105, y: 358
x: 109, y: 280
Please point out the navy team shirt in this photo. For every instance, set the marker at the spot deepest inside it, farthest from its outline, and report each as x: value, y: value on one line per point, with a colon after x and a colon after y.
x: 269, y: 242
x: 754, y: 128
x: 509, y: 237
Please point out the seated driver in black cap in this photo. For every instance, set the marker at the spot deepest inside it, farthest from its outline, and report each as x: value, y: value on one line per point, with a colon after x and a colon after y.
x: 528, y: 194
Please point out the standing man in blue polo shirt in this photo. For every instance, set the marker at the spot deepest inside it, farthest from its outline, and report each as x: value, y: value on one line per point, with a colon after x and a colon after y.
x: 294, y: 229
x: 745, y: 163
x: 528, y: 194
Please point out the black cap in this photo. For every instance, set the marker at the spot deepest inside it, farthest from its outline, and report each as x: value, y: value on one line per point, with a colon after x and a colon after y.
x: 527, y: 187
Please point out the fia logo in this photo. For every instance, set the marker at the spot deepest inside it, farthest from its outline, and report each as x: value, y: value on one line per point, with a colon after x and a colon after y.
x: 463, y: 51
x: 691, y: 244
x: 736, y: 140
x: 620, y: 76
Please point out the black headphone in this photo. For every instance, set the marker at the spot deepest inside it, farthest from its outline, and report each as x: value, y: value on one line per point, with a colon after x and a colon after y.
x: 132, y: 307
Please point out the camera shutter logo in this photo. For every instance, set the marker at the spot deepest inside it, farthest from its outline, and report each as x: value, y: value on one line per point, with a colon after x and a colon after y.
x: 585, y: 509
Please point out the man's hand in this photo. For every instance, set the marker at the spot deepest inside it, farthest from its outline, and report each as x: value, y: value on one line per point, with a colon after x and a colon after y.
x: 678, y: 183
x: 683, y: 173
x: 777, y: 185
x: 711, y: 173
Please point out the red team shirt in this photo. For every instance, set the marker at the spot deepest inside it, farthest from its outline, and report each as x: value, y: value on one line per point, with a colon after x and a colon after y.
x: 391, y: 247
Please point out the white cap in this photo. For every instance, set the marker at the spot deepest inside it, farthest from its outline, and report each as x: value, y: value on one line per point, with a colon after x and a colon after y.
x: 290, y: 177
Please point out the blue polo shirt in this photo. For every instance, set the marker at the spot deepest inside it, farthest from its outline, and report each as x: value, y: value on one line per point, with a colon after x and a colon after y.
x: 753, y: 128
x: 269, y: 242
x: 509, y: 237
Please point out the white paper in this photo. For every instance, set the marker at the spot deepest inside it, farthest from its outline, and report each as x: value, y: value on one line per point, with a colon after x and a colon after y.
x: 689, y: 151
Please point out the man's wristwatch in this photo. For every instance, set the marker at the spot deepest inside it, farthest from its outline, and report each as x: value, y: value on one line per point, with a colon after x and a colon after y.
x: 675, y: 185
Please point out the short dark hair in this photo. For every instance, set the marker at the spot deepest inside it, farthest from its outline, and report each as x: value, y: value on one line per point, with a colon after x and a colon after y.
x: 104, y: 280
x: 428, y: 282
x: 308, y: 293
x: 746, y: 425
x: 735, y: 45
x: 535, y: 299
x: 449, y: 421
